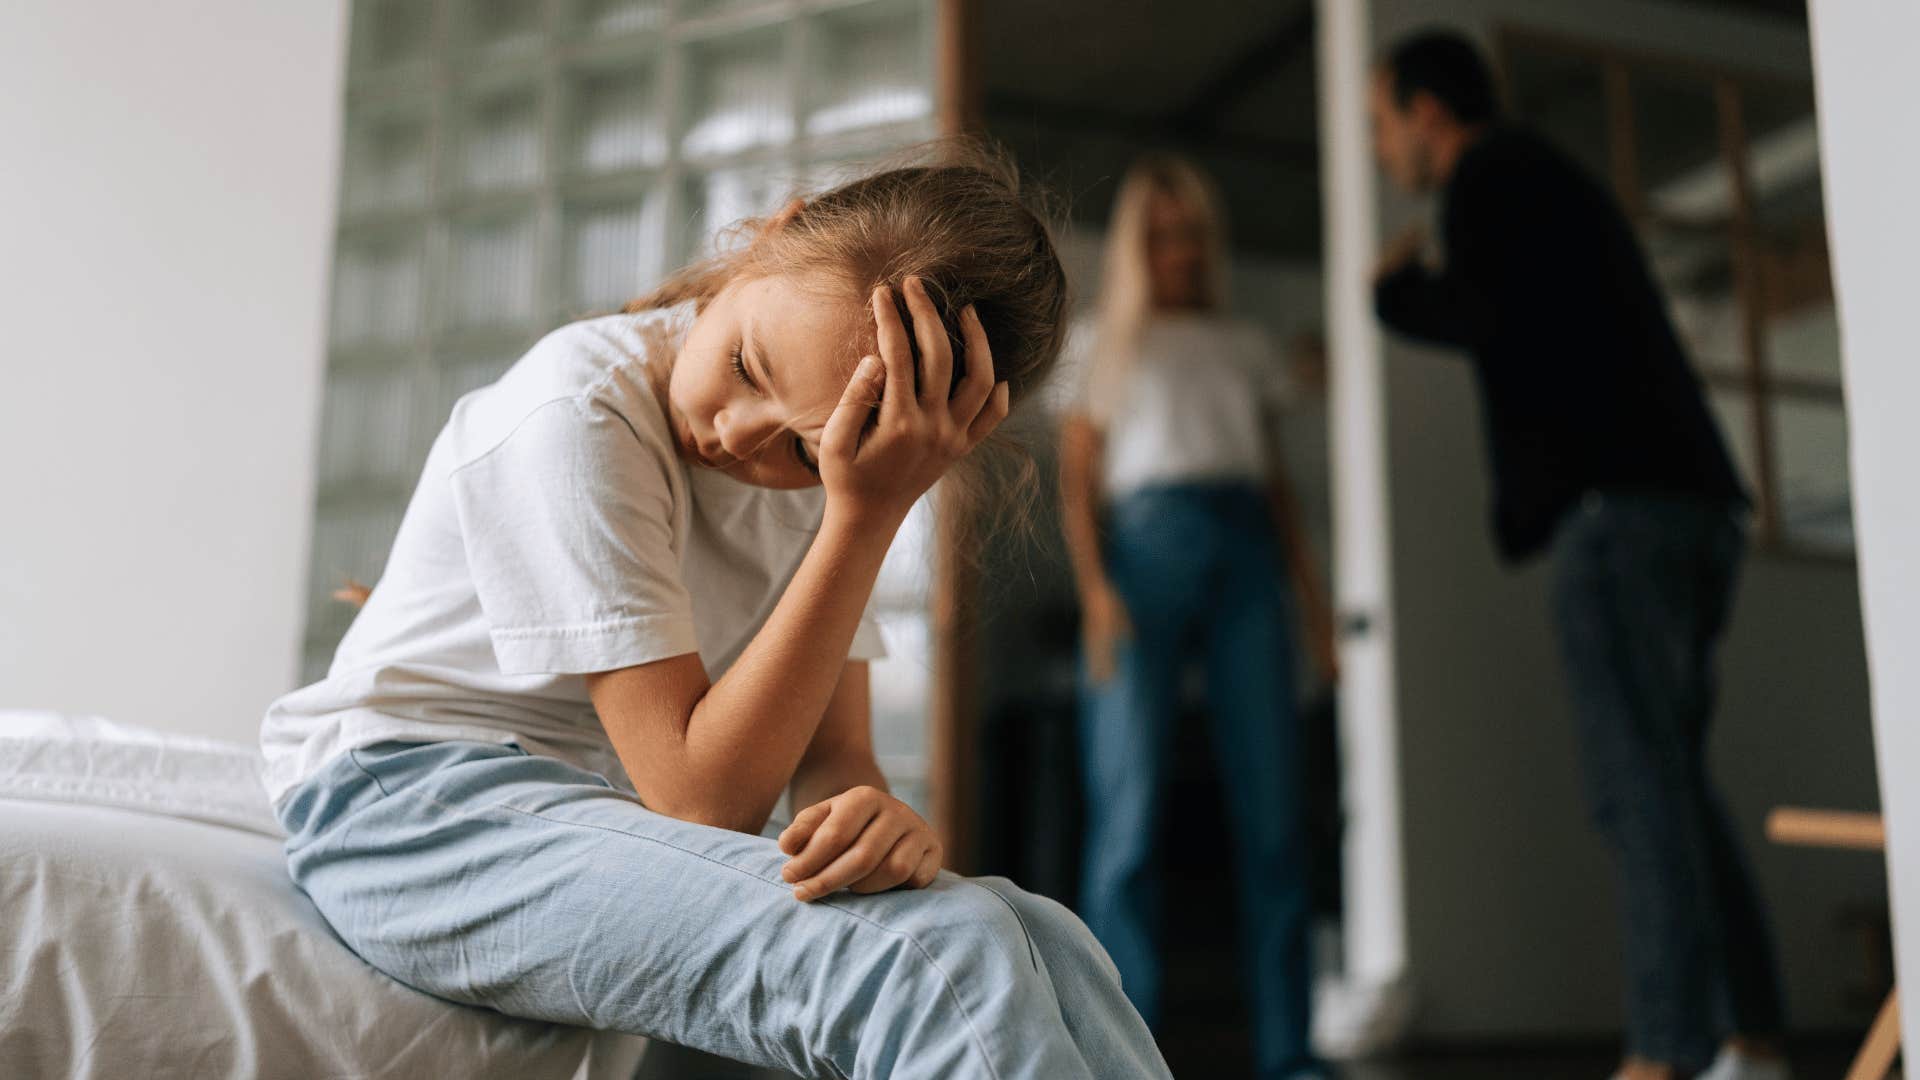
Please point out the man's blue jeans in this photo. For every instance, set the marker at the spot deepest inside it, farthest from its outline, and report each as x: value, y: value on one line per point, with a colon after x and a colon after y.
x: 1200, y: 573
x: 1643, y: 585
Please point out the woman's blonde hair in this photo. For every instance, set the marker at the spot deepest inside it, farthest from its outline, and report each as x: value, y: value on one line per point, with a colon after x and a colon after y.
x: 1126, y: 281
x: 951, y: 213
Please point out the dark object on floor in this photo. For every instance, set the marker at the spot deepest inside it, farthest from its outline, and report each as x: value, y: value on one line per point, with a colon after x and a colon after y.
x: 1326, y: 818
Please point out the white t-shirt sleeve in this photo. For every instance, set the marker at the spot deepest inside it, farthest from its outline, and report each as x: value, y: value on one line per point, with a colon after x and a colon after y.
x: 1278, y: 392
x: 1272, y: 385
x: 568, y: 525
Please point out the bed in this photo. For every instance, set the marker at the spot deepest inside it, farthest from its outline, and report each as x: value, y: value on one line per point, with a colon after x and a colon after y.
x: 148, y: 928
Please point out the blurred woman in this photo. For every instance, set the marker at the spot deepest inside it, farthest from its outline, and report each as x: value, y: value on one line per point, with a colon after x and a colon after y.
x: 1178, y: 518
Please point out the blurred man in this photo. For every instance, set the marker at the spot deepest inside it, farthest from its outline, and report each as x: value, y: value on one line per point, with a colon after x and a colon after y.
x: 1604, y: 455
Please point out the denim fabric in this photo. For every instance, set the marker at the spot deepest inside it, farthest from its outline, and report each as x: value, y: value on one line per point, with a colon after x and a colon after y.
x: 1199, y: 570
x: 484, y: 875
x: 1642, y: 589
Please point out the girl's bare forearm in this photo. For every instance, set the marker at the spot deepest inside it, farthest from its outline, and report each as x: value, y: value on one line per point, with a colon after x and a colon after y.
x: 751, y: 728
x: 822, y: 776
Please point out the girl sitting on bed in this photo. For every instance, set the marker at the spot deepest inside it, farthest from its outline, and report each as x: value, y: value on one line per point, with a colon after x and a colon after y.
x: 624, y: 614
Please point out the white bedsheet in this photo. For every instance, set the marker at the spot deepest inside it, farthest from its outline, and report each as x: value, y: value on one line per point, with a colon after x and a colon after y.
x: 148, y: 929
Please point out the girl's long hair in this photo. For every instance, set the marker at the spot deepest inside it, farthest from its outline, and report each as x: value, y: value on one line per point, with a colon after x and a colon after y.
x: 1126, y: 281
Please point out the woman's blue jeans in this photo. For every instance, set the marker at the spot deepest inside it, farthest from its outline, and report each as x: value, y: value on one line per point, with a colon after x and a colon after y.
x: 1199, y: 570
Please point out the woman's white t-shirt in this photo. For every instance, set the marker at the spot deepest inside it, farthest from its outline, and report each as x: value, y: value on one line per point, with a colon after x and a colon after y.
x: 1200, y: 403
x: 554, y: 533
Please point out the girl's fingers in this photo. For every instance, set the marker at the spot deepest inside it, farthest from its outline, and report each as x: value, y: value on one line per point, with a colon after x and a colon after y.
x: 898, y: 866
x: 795, y: 836
x: 977, y: 384
x: 994, y: 411
x: 854, y: 863
x: 936, y: 353
x: 830, y: 841
x: 929, y: 867
x: 896, y: 353
x: 849, y: 418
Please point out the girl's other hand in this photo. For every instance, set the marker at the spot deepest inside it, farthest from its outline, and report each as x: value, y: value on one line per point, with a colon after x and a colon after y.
x: 876, y: 460
x: 1103, y: 626
x: 862, y: 839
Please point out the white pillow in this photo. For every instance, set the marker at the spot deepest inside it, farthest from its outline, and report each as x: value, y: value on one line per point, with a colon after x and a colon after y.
x: 56, y: 757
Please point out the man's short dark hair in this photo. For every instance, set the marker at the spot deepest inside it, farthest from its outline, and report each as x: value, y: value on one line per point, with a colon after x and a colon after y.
x: 1448, y: 66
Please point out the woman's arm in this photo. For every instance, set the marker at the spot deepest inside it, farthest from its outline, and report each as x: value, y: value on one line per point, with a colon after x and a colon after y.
x: 1103, y: 617
x: 1080, y: 498
x: 1315, y: 610
x: 721, y: 753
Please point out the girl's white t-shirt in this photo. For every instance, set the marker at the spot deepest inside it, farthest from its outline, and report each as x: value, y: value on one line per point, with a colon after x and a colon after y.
x: 1201, y: 402
x: 554, y: 533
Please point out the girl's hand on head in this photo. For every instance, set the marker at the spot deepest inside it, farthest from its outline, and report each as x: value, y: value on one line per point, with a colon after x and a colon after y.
x: 862, y: 839
x: 877, y: 459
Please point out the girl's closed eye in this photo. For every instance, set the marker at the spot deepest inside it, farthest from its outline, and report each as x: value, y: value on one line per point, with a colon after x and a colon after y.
x: 739, y: 361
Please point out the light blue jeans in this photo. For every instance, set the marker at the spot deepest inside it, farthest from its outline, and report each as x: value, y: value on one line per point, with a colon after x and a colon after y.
x: 1200, y: 572
x: 488, y: 876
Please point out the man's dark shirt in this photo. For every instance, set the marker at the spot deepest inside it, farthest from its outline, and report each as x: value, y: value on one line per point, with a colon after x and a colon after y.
x: 1583, y: 383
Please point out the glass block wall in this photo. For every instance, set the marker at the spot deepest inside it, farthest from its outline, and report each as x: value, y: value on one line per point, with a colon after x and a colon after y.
x: 510, y: 165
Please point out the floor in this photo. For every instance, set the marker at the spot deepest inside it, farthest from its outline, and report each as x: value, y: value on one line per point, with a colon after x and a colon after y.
x: 1813, y: 1059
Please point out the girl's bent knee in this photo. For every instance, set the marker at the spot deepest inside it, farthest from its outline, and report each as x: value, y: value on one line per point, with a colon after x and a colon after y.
x: 962, y: 922
x: 1057, y: 931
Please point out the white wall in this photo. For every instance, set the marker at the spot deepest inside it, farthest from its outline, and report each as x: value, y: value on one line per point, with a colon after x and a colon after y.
x: 1872, y: 169
x: 1511, y: 922
x: 168, y: 196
